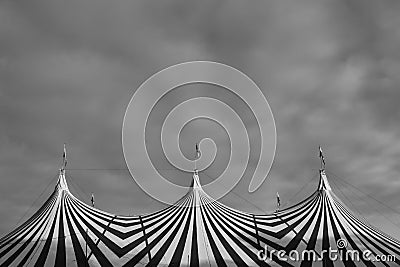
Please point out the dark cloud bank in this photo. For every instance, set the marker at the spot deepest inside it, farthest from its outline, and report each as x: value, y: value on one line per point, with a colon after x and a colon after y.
x: 330, y: 70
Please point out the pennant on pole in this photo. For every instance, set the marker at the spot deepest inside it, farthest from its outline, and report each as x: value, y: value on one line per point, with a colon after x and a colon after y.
x: 278, y: 200
x: 321, y: 155
x: 65, y: 157
x: 92, y: 200
x: 198, y: 153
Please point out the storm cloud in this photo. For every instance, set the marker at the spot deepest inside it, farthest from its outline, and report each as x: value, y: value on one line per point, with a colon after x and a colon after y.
x: 329, y: 69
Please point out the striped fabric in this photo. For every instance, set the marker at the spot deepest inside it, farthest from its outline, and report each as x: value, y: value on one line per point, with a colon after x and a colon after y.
x: 196, y: 231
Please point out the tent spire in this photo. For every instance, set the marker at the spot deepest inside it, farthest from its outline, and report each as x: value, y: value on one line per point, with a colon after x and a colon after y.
x: 322, y: 158
x: 323, y: 179
x: 278, y: 201
x: 197, y: 155
x: 64, y: 164
x: 196, y: 179
x: 61, y: 179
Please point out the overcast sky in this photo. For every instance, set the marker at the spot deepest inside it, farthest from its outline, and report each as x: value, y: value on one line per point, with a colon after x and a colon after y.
x: 329, y: 69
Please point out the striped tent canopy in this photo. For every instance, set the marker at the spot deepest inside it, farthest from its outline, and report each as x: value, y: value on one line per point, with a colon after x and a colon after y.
x: 196, y: 231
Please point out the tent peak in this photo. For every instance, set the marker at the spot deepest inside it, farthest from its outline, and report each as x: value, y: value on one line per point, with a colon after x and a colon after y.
x: 323, y: 181
x: 196, y: 179
x: 62, y: 182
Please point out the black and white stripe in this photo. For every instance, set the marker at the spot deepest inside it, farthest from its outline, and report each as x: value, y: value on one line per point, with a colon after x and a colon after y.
x: 196, y: 231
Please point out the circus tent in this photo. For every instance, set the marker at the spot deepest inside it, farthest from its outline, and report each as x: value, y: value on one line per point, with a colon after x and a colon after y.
x: 196, y: 231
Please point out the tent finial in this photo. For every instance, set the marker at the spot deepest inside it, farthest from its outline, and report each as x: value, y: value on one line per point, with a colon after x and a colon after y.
x: 64, y: 164
x: 322, y: 158
x: 61, y: 179
x: 196, y: 179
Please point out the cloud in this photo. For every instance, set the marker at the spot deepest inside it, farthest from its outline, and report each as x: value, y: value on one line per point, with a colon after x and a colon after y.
x: 68, y: 69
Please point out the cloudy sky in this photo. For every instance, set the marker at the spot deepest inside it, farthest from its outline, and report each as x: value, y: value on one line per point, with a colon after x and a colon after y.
x: 329, y: 69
